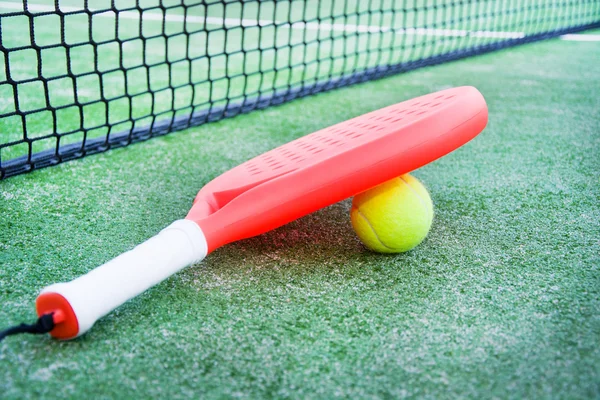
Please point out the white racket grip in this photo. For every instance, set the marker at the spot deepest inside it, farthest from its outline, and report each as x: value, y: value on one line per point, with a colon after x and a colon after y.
x: 103, y: 289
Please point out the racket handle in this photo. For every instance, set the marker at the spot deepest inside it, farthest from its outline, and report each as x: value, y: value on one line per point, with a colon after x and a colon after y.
x: 86, y: 299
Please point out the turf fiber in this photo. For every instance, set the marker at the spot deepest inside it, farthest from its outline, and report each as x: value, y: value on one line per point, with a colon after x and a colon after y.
x: 502, y: 300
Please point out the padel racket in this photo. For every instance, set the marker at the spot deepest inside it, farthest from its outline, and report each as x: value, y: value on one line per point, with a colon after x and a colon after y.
x: 271, y: 190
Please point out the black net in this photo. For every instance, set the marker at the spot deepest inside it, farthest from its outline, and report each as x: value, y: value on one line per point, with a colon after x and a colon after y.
x: 81, y: 77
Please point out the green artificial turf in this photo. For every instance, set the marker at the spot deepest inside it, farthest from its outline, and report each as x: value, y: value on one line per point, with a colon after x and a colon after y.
x: 502, y: 300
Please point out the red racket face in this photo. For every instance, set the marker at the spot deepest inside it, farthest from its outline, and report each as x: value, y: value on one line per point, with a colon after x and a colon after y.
x: 337, y: 162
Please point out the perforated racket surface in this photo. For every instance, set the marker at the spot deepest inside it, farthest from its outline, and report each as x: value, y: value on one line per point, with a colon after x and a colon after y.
x: 334, y: 163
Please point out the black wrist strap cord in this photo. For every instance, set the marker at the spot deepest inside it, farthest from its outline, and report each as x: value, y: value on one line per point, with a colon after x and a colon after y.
x: 43, y: 325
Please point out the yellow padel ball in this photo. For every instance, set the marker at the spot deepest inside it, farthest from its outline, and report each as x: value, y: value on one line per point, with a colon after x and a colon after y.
x: 393, y: 217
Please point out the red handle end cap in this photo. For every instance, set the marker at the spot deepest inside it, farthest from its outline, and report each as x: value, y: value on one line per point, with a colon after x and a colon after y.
x: 66, y: 324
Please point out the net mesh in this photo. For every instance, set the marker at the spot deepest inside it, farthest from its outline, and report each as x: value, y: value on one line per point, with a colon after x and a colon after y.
x: 81, y: 77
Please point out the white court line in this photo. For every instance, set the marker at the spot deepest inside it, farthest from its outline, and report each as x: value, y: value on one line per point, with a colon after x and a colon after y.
x: 233, y: 22
x: 581, y: 38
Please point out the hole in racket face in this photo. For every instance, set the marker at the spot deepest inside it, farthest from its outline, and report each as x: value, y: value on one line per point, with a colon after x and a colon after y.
x: 338, y: 138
